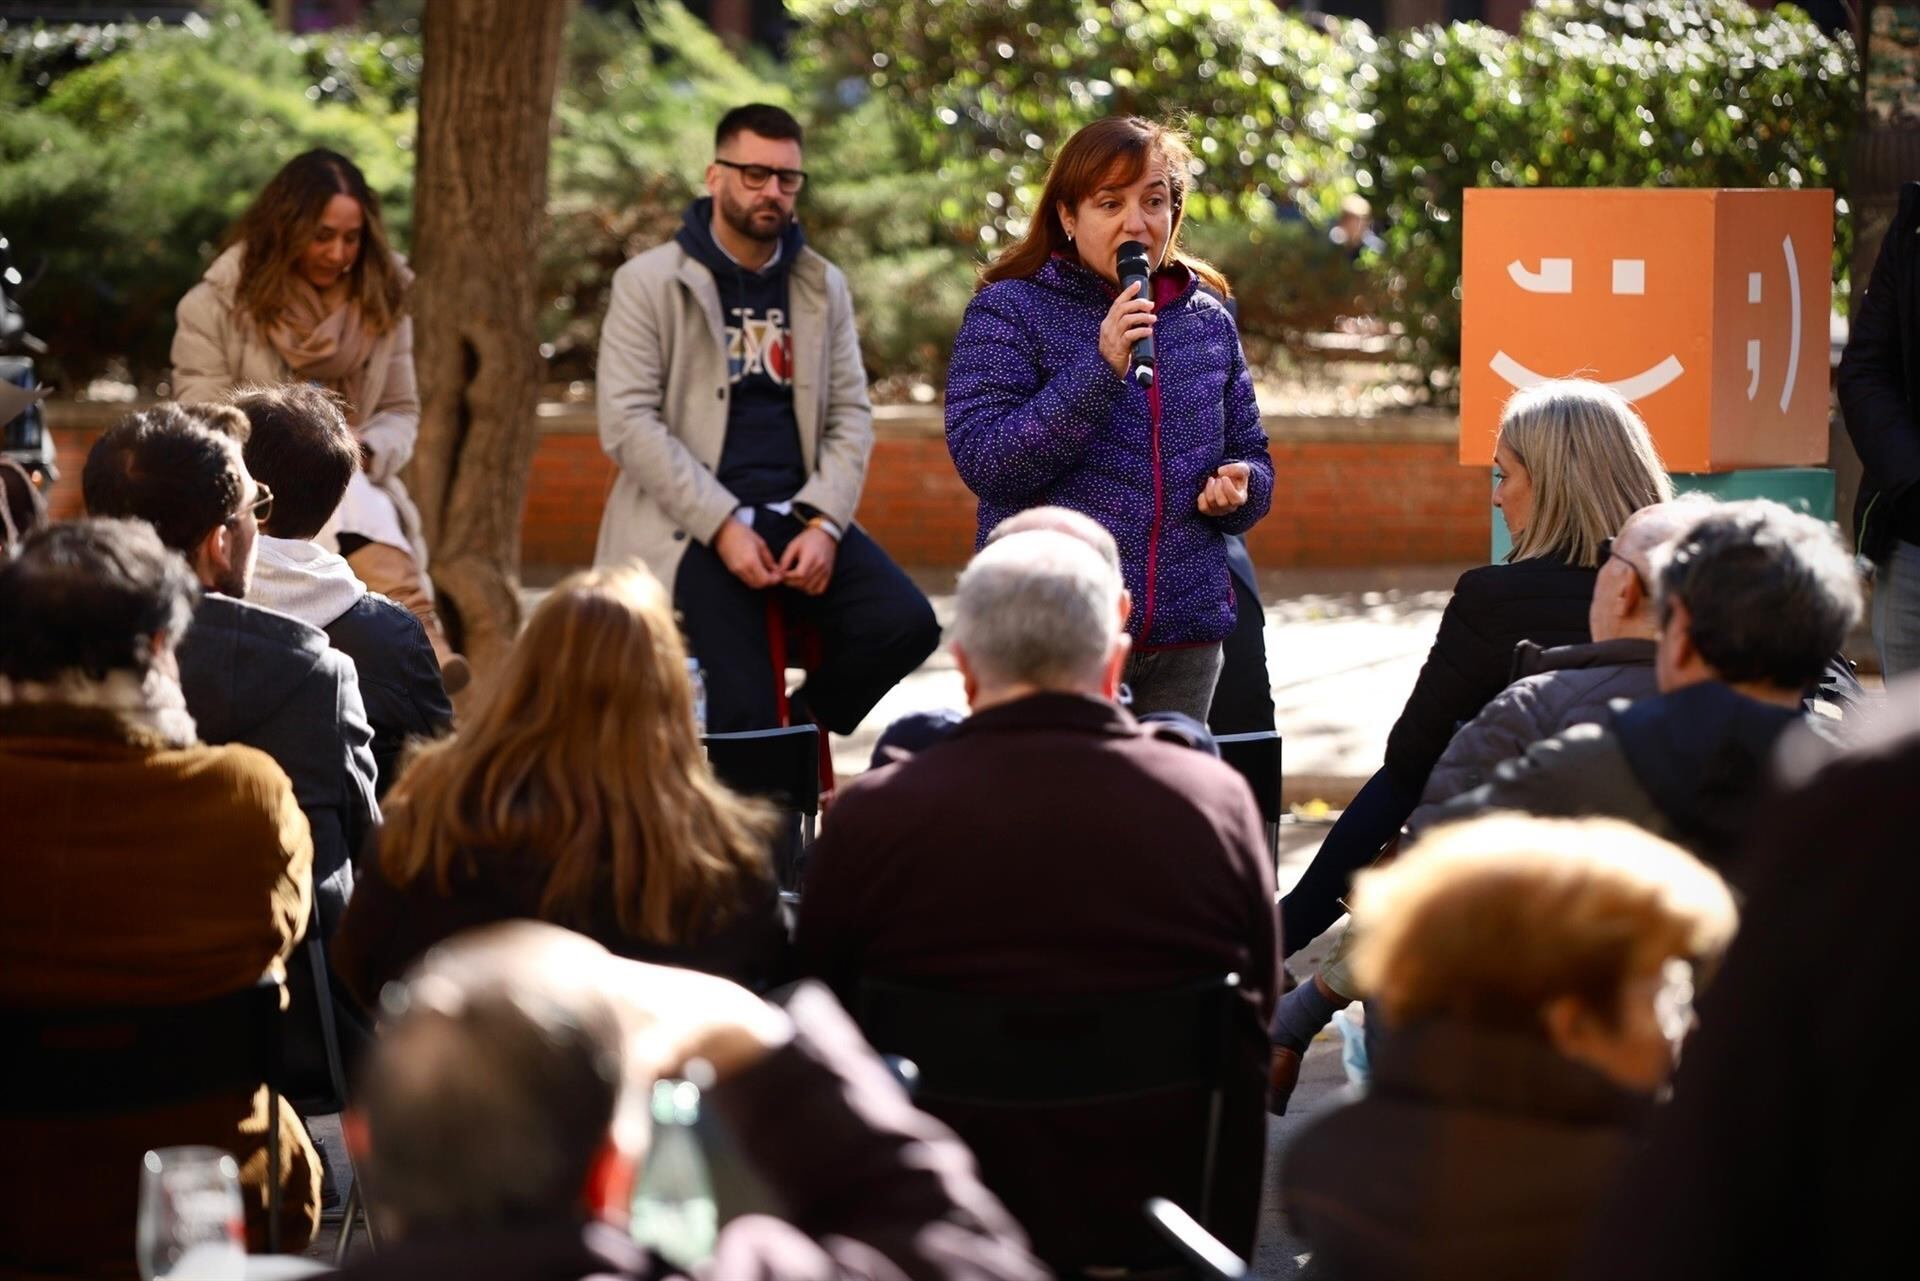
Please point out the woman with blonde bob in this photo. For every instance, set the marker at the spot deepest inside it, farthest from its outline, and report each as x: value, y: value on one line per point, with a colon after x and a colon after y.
x: 1572, y: 461
x: 1533, y: 978
x: 577, y: 794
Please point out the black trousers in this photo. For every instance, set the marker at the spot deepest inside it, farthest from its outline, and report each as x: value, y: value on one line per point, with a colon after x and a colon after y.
x: 1243, y: 697
x: 875, y: 627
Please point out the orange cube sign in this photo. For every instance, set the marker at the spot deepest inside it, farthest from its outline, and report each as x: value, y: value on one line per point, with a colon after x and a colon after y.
x: 1707, y: 309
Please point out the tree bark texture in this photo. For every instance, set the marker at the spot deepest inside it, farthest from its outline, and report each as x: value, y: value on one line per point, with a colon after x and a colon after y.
x: 480, y: 194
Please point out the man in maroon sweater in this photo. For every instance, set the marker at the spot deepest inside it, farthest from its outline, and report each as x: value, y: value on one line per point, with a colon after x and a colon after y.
x: 1049, y: 845
x: 503, y: 1116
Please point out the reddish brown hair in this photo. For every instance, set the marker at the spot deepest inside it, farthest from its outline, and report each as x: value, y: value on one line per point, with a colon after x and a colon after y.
x: 283, y: 219
x: 1107, y: 153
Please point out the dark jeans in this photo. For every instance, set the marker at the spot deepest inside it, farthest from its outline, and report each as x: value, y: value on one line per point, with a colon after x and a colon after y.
x: 875, y: 627
x: 1368, y: 823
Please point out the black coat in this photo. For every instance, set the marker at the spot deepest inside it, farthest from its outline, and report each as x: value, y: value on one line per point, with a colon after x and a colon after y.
x: 1880, y: 385
x: 1495, y: 607
x: 258, y: 677
x: 1689, y: 766
x: 399, y: 679
x: 1787, y: 1150
x: 1474, y: 1154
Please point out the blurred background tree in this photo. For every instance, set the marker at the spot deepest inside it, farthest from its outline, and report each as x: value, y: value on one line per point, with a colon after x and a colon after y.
x: 125, y: 151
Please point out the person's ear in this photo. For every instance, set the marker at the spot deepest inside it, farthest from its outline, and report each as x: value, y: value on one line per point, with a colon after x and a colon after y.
x: 967, y: 678
x: 1066, y: 220
x: 1676, y: 638
x: 607, y: 1191
x: 214, y: 557
x: 1630, y: 599
x: 1116, y: 665
x: 1126, y: 607
x: 1569, y: 1025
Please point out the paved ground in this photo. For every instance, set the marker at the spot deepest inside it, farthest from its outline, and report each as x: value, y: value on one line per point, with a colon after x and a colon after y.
x: 1343, y: 648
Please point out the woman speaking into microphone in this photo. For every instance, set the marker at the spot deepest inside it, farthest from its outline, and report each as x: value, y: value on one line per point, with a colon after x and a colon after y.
x: 1051, y: 401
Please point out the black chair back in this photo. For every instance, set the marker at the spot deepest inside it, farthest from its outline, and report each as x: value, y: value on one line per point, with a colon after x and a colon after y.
x: 781, y: 766
x: 103, y: 1060
x: 1014, y: 1052
x: 1257, y: 758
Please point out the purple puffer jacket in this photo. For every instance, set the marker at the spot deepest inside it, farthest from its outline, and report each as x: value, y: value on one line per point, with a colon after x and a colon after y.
x: 1036, y: 417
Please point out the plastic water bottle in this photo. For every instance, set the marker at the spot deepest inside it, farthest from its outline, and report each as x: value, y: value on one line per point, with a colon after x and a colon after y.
x: 674, y: 1214
x: 698, y: 679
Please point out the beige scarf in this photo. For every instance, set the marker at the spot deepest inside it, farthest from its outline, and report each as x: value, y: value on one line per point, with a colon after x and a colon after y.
x: 329, y: 348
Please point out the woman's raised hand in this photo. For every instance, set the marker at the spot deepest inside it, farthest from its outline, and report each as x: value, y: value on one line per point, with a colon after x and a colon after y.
x: 1128, y: 320
x: 1225, y: 490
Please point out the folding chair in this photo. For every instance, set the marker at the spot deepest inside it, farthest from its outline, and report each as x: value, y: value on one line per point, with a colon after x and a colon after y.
x: 103, y: 1060
x: 331, y: 1099
x: 1257, y: 758
x: 781, y: 765
x: 1035, y: 1052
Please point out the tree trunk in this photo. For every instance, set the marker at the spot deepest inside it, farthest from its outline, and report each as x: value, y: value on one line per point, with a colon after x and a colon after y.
x: 486, y: 103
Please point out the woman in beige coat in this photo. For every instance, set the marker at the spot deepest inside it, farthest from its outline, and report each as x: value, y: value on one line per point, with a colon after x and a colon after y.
x: 308, y: 289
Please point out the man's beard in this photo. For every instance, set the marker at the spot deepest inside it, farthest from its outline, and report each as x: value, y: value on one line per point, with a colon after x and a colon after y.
x: 740, y: 218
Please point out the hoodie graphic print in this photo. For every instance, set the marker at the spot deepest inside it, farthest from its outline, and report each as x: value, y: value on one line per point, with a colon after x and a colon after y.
x: 761, y: 460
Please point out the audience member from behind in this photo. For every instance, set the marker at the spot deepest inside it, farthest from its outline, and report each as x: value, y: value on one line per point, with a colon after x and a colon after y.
x: 576, y: 794
x: 1788, y: 1150
x: 1050, y: 845
x: 503, y: 1121
x: 1567, y: 685
x: 302, y: 450
x: 141, y: 868
x: 251, y: 675
x: 1534, y: 979
x: 1752, y: 603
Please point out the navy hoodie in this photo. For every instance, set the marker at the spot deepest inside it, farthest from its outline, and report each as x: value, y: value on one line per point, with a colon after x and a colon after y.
x: 761, y: 460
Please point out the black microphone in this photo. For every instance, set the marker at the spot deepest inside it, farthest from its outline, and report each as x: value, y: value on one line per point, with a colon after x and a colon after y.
x: 1131, y: 265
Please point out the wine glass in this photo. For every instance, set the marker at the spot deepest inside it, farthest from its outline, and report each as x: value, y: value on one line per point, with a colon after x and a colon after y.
x: 191, y: 1226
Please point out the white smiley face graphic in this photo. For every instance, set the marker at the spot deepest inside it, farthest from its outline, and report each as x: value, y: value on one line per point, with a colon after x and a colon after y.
x: 1556, y: 277
x: 1793, y: 344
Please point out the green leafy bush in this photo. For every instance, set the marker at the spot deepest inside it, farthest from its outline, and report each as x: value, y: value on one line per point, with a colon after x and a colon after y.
x: 116, y: 183
x: 1668, y: 93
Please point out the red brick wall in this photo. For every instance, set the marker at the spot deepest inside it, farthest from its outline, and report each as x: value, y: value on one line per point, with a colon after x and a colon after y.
x: 1365, y: 502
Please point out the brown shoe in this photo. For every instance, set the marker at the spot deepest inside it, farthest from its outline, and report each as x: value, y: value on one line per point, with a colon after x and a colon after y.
x: 1281, y: 1078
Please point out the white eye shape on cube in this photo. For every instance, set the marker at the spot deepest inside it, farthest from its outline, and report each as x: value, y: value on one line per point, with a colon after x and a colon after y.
x: 1554, y: 277
x: 1629, y: 275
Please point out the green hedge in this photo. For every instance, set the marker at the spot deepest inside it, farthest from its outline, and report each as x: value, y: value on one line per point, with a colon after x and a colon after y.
x: 1672, y: 93
x: 125, y: 151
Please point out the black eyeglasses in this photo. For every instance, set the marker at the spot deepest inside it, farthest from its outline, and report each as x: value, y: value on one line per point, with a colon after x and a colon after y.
x: 261, y: 507
x: 1607, y: 553
x: 755, y: 176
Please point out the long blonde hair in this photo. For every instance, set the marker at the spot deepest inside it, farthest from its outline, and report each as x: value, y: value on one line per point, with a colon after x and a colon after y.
x: 586, y: 755
x: 1591, y: 462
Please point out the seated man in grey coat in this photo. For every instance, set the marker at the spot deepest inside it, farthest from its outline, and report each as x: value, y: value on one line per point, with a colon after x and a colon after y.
x: 1752, y: 603
x: 1567, y: 685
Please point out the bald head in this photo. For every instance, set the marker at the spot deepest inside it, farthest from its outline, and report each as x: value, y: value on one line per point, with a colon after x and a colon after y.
x: 1622, y: 607
x: 496, y: 1083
